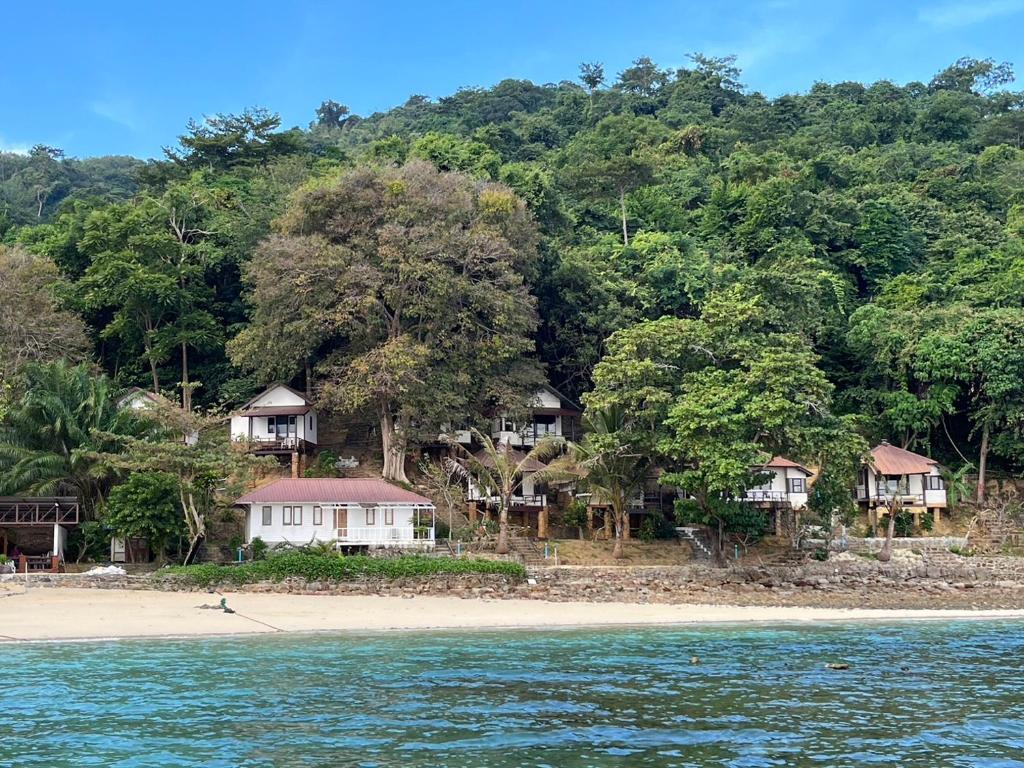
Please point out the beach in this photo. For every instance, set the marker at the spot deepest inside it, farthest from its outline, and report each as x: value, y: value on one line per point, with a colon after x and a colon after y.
x: 83, y: 614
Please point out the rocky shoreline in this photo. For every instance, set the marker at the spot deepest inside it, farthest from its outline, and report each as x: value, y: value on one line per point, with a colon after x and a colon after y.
x: 851, y: 582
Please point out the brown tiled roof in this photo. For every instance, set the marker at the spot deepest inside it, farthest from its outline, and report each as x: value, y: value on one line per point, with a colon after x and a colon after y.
x: 332, y: 490
x: 889, y: 460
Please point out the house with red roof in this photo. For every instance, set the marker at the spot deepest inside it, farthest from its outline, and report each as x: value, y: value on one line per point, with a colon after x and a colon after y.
x: 353, y: 512
x: 895, y: 475
x: 785, y: 484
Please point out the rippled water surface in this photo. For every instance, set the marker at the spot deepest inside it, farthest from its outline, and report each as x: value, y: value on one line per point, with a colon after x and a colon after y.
x: 916, y: 695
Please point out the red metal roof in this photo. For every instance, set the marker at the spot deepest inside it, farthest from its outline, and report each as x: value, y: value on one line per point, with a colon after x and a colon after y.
x: 889, y: 460
x: 277, y: 410
x: 781, y: 462
x: 332, y: 490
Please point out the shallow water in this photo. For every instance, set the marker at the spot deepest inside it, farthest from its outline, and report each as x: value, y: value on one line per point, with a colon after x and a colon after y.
x: 923, y: 694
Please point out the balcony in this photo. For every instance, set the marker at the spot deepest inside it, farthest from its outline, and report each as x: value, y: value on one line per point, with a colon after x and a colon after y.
x: 757, y: 496
x: 271, y: 445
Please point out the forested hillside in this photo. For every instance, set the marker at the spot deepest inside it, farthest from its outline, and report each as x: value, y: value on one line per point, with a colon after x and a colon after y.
x: 718, y: 263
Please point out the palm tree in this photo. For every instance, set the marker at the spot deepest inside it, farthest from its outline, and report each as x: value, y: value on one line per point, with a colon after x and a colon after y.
x: 52, y: 439
x: 608, y: 464
x: 498, y: 469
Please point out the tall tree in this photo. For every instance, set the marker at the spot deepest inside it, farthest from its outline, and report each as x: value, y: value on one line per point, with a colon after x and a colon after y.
x: 416, y: 297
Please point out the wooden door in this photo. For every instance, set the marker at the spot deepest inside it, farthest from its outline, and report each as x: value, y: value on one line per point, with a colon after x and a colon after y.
x: 341, y: 522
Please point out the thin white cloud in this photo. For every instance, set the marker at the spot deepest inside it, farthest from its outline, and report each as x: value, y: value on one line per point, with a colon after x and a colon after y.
x: 14, y: 147
x: 116, y: 110
x: 964, y: 13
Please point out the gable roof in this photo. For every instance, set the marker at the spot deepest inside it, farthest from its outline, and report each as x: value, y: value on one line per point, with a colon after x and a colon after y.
x: 271, y: 388
x: 889, y: 460
x: 332, y: 490
x: 566, y: 403
x: 781, y: 462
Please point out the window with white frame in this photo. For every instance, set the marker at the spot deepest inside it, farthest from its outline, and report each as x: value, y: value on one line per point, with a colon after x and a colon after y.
x: 797, y: 485
x: 286, y: 515
x: 389, y: 517
x: 936, y: 483
x: 371, y: 516
x: 268, y: 516
x: 296, y: 515
x: 318, y: 516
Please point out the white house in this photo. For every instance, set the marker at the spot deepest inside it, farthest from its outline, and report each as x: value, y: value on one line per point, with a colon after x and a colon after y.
x: 895, y: 474
x: 550, y: 414
x: 353, y: 512
x: 278, y: 420
x: 785, y: 484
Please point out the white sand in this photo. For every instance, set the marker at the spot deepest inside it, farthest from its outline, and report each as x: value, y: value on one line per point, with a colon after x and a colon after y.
x: 65, y: 614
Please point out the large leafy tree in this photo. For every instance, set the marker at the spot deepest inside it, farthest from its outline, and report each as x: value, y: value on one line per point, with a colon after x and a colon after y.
x: 410, y: 283
x: 717, y: 396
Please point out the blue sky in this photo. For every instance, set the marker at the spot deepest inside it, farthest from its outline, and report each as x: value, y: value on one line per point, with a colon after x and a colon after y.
x: 124, y: 77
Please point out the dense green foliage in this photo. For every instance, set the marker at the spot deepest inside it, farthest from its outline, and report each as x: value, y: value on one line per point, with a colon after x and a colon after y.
x: 146, y: 506
x: 335, y: 568
x: 851, y: 251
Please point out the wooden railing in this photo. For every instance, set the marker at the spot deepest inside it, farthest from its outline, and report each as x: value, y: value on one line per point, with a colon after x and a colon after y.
x: 384, y: 535
x: 280, y: 444
x: 759, y: 495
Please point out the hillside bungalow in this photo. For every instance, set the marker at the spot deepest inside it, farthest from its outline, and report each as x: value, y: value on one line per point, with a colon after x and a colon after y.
x: 529, y: 503
x: 277, y: 421
x: 784, y: 488
x: 551, y: 414
x: 893, y: 475
x: 353, y: 512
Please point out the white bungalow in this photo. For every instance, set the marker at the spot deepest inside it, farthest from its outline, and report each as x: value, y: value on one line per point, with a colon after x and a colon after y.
x: 893, y: 475
x: 279, y: 420
x: 551, y: 414
x: 785, y: 484
x: 353, y: 512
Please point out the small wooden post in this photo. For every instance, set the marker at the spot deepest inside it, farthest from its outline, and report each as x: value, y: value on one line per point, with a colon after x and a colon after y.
x: 542, y: 522
x: 295, y: 465
x: 22, y: 564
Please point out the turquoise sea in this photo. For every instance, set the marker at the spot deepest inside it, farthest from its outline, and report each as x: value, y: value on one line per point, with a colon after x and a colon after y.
x: 917, y: 694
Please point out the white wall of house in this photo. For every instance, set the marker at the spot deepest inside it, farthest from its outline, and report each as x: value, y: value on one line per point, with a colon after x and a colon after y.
x: 305, y: 424
x: 777, y: 487
x: 298, y: 524
x: 916, y: 487
x: 503, y: 430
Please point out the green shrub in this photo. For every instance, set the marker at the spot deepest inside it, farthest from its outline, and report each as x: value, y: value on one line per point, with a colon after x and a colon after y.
x: 961, y: 551
x: 258, y: 548
x: 335, y: 568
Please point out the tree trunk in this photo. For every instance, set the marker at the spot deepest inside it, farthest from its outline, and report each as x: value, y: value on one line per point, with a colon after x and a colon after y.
x: 152, y: 370
x: 393, y: 442
x: 622, y: 207
x: 502, y: 547
x: 196, y: 526
x: 617, y: 515
x: 186, y: 387
x: 982, y: 462
x: 886, y: 554
x: 309, y: 380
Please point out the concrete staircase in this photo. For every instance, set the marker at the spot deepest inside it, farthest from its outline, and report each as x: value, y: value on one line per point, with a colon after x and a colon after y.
x: 697, y: 540
x: 526, y: 550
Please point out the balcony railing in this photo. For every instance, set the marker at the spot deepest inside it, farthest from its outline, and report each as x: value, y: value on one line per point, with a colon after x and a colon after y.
x: 385, y: 536
x: 757, y: 495
x: 519, y: 500
x: 277, y: 444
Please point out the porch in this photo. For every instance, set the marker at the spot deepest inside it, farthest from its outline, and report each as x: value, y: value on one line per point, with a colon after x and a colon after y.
x: 34, y: 530
x: 386, y: 536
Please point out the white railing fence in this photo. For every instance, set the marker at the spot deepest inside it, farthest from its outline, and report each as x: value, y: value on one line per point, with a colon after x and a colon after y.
x: 384, y: 535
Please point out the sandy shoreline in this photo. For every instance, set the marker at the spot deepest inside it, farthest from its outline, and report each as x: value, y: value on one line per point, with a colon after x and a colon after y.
x: 78, y: 614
